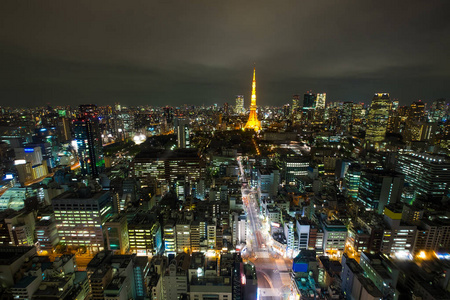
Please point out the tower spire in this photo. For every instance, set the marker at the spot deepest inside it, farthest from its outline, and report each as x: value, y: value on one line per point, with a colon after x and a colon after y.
x: 253, y: 122
x: 253, y: 99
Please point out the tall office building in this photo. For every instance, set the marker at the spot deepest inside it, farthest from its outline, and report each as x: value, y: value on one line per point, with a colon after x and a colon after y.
x: 226, y: 109
x: 81, y: 217
x: 117, y: 234
x: 169, y: 165
x: 417, y: 111
x: 379, y: 188
x: 183, y: 131
x: 320, y: 100
x: 351, y: 180
x: 145, y: 235
x: 47, y: 234
x: 428, y: 174
x: 309, y: 100
x: 346, y: 117
x: 358, y: 113
x: 334, y: 236
x: 377, y: 120
x: 170, y: 237
x: 439, y: 109
x: 253, y: 122
x: 395, y: 104
x: 295, y: 103
x: 89, y: 142
x: 293, y: 167
x: 63, y: 126
x: 183, y: 233
x: 30, y: 164
x: 239, y: 107
x: 286, y: 110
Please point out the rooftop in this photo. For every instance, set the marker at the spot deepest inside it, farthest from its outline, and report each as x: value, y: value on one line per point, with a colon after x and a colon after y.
x: 24, y: 282
x: 370, y: 286
x: 115, y: 284
x: 9, y: 254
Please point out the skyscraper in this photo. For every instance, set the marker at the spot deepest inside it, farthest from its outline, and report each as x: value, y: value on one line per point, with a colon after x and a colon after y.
x: 182, y: 130
x: 351, y: 180
x: 309, y: 100
x: 346, y: 117
x: 89, y: 142
x: 239, y: 107
x: 226, y: 109
x: 286, y: 110
x: 253, y: 122
x: 439, y: 109
x: 295, y: 103
x: 417, y: 111
x: 320, y: 100
x: 428, y: 174
x: 378, y: 188
x: 378, y: 119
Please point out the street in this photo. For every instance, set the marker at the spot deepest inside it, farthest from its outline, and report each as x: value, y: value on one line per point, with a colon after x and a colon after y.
x: 272, y: 271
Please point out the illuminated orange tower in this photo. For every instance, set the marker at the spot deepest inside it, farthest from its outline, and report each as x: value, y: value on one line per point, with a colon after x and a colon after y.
x: 253, y: 122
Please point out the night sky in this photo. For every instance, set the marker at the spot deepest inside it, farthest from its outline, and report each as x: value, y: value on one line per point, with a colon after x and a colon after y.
x: 202, y: 52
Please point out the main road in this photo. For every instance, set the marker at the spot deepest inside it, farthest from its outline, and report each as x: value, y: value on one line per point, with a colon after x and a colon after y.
x: 272, y: 271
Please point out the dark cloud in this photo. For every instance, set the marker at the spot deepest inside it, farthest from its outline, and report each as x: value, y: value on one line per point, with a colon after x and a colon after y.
x: 202, y: 52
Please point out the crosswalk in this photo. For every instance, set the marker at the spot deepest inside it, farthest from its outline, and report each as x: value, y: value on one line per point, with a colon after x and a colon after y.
x: 262, y: 254
x: 269, y: 292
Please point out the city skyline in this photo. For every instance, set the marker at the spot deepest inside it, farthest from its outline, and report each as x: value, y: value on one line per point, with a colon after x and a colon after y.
x: 138, y: 162
x: 81, y: 54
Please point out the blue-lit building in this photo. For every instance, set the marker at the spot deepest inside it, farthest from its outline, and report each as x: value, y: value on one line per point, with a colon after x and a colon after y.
x: 305, y: 269
x: 378, y: 188
x: 309, y: 101
x: 428, y: 175
x: 89, y: 142
x: 352, y: 179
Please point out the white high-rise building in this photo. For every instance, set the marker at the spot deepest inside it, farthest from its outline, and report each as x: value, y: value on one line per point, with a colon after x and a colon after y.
x: 239, y: 228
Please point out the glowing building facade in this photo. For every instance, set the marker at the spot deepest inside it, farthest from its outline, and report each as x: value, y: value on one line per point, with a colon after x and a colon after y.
x: 295, y: 103
x: 239, y: 107
x: 351, y: 181
x: 320, y: 100
x: 81, y: 216
x: 253, y: 122
x: 378, y: 119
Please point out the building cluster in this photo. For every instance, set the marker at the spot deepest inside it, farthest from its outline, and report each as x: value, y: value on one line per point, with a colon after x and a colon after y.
x: 157, y: 202
x: 125, y: 276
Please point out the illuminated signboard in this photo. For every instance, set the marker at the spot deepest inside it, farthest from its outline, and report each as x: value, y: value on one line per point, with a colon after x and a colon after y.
x: 28, y: 150
x: 443, y: 255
